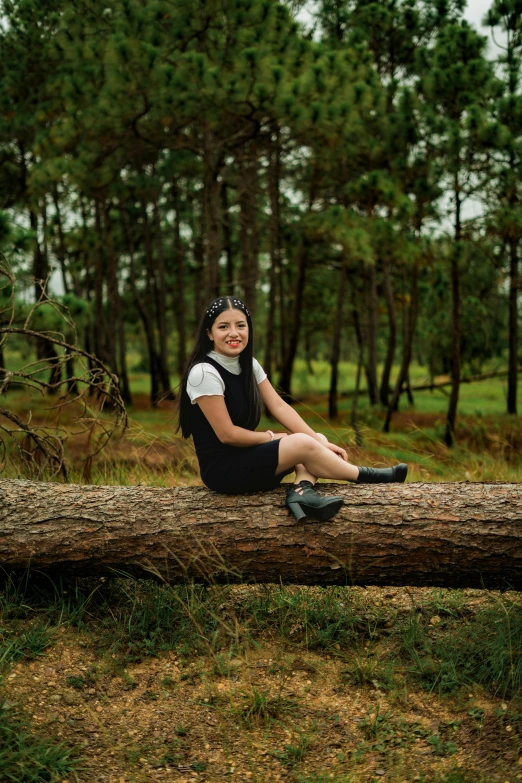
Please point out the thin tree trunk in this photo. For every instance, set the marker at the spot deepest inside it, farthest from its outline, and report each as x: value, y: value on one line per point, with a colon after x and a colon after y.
x: 274, y: 174
x: 180, y: 306
x: 360, y: 362
x: 61, y: 252
x: 407, y: 350
x: 336, y: 344
x: 455, y: 325
x: 160, y: 291
x: 248, y: 227
x: 151, y: 305
x: 226, y: 219
x: 101, y: 343
x: 285, y: 381
x: 283, y: 316
x: 371, y: 359
x: 45, y: 351
x: 513, y: 328
x: 211, y: 208
x: 444, y: 535
x: 112, y: 288
x: 392, y: 335
x: 198, y: 224
x: 117, y: 323
x: 143, y: 309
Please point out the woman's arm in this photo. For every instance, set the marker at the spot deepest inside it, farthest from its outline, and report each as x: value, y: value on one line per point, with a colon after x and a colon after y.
x: 217, y: 414
x: 290, y: 419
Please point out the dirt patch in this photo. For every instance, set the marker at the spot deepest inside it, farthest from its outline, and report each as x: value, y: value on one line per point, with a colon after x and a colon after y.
x: 276, y: 715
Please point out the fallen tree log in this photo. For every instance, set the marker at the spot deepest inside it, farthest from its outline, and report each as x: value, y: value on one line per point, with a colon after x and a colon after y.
x: 448, y: 535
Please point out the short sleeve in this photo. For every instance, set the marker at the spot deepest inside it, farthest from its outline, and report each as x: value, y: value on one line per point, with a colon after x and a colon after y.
x: 204, y: 381
x: 259, y: 373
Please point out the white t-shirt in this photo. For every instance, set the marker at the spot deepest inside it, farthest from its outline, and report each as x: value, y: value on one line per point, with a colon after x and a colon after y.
x: 205, y: 381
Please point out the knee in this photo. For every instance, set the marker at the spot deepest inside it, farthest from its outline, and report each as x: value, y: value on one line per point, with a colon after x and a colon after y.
x: 302, y: 442
x: 322, y: 438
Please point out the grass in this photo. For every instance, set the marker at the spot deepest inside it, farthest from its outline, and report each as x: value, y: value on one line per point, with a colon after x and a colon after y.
x: 441, y: 645
x: 130, y: 621
x: 26, y: 756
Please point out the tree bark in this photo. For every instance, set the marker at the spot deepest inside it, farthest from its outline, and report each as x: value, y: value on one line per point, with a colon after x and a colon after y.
x: 444, y: 535
x: 513, y: 327
x: 143, y: 307
x: 249, y: 244
x: 180, y: 306
x: 407, y: 349
x: 285, y: 381
x: 226, y: 219
x: 392, y: 337
x: 371, y: 358
x: 336, y: 345
x: 274, y: 176
x: 160, y: 294
x: 212, y: 238
x: 449, y: 434
x: 118, y: 325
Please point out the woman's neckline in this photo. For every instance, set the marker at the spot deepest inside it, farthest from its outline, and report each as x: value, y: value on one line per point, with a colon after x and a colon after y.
x: 225, y: 361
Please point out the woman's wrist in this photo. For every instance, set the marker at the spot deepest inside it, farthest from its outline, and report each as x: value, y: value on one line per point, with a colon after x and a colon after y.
x: 270, y: 435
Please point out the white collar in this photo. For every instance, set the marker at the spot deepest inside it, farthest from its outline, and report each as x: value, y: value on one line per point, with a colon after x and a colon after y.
x: 228, y: 362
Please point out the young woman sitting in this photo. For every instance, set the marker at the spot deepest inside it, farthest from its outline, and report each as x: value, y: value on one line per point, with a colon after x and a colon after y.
x: 222, y: 392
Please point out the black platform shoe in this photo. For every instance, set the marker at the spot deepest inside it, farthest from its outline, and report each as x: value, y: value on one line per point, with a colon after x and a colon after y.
x: 397, y: 474
x: 310, y: 504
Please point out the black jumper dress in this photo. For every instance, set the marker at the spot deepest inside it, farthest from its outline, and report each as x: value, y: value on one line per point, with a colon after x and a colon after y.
x: 234, y: 469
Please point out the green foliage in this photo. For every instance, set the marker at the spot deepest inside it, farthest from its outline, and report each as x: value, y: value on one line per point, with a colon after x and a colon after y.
x: 26, y: 757
x: 482, y: 651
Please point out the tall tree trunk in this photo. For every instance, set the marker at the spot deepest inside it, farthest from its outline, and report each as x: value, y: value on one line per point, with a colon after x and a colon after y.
x: 102, y: 348
x: 226, y: 219
x: 248, y: 227
x: 292, y: 341
x: 212, y: 223
x: 336, y: 344
x: 61, y: 252
x: 274, y: 175
x: 160, y: 293
x: 283, y: 316
x: 513, y: 327
x: 143, y: 308
x: 371, y: 358
x: 455, y: 324
x: 151, y: 305
x: 111, y: 275
x: 201, y: 296
x: 392, y: 332
x: 407, y: 350
x: 45, y: 351
x: 180, y: 306
x: 119, y: 365
x: 287, y: 369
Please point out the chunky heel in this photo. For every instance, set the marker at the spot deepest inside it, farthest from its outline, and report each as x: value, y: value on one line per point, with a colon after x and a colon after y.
x: 297, y: 511
x: 307, y: 503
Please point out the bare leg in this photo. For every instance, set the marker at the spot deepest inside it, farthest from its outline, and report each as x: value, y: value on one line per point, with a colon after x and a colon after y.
x: 302, y: 474
x: 304, y: 451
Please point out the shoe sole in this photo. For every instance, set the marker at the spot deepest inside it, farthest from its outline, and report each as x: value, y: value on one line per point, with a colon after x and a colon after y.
x: 320, y: 514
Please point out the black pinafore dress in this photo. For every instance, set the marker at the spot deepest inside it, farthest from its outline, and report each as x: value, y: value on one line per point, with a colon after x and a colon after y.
x: 233, y: 469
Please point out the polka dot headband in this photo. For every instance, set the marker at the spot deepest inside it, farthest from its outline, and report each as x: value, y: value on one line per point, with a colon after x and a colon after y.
x: 220, y: 302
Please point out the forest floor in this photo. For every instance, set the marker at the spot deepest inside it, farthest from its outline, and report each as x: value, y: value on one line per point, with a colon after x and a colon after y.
x: 115, y: 681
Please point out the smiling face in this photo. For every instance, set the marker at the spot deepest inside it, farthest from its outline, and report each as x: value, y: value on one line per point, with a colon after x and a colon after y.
x: 229, y: 333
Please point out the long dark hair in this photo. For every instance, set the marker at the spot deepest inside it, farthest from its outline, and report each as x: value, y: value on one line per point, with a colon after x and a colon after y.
x: 203, y: 345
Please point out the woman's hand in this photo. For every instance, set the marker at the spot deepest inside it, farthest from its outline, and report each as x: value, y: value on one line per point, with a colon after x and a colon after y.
x: 279, y: 435
x: 337, y: 450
